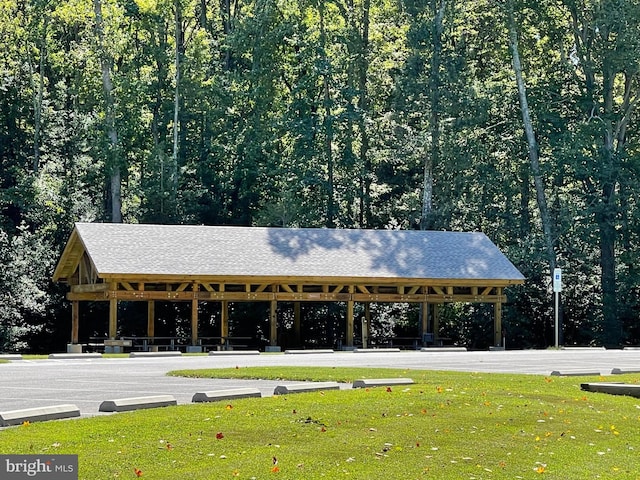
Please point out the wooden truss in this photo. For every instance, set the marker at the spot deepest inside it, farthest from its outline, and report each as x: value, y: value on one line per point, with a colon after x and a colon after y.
x: 274, y: 290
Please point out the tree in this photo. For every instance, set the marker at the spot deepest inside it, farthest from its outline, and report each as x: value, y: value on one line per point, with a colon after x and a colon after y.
x: 606, y: 36
x: 113, y: 163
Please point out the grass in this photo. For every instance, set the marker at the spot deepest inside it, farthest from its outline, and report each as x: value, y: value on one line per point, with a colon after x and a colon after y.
x: 446, y: 426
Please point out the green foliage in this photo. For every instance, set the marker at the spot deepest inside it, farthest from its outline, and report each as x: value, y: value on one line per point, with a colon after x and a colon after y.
x: 323, y: 113
x: 25, y: 262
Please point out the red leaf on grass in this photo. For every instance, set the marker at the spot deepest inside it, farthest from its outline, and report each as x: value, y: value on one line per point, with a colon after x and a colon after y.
x: 138, y: 472
x: 219, y: 436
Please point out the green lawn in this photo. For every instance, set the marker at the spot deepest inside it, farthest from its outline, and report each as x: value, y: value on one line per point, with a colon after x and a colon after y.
x: 446, y: 426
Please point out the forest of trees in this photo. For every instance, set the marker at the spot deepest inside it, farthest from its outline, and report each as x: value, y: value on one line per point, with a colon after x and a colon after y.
x: 517, y: 118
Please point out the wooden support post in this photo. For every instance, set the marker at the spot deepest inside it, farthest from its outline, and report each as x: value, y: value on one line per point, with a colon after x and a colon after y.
x: 194, y: 315
x: 366, y: 327
x: 151, y: 318
x: 75, y: 321
x: 113, y: 318
x: 297, y: 322
x: 273, y: 323
x: 349, y: 332
x: 436, y: 320
x: 224, y: 321
x: 424, y: 316
x: 497, y: 322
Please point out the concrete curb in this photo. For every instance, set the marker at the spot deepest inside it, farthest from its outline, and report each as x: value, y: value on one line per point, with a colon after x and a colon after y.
x: 573, y: 373
x: 619, y: 371
x: 445, y: 349
x: 73, y: 356
x: 137, y: 403
x: 582, y: 348
x: 376, y: 350
x: 305, y: 387
x: 222, y: 395
x: 302, y: 352
x: 627, y: 389
x: 39, y: 414
x: 10, y: 356
x: 382, y: 382
x: 170, y: 353
x: 223, y: 353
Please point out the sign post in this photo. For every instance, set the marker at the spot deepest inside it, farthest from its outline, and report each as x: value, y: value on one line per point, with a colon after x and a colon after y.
x: 557, y: 288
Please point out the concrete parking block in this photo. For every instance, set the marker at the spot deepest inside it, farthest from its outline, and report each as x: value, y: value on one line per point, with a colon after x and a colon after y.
x: 573, y: 373
x: 73, y: 356
x: 170, y: 353
x: 223, y: 353
x: 305, y: 387
x: 137, y: 403
x: 443, y: 349
x: 302, y: 352
x: 631, y: 390
x: 10, y: 356
x: 39, y: 414
x: 376, y: 350
x: 382, y: 382
x: 620, y: 371
x: 224, y: 395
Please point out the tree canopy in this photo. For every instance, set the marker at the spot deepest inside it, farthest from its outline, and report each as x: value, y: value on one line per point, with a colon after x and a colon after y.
x: 511, y: 117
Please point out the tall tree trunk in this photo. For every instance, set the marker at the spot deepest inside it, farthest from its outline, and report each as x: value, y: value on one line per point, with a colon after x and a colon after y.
x: 113, y: 160
x: 431, y: 158
x: 38, y: 93
x: 363, y: 106
x: 534, y: 159
x: 173, y: 171
x: 328, y: 120
x: 612, y: 119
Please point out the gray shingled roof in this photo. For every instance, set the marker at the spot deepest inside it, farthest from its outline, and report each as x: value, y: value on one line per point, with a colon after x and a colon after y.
x: 200, y: 251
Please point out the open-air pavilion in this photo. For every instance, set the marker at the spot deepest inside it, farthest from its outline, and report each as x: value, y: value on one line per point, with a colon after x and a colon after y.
x: 188, y: 263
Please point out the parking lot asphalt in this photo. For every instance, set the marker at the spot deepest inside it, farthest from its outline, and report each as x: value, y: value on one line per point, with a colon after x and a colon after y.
x: 88, y: 382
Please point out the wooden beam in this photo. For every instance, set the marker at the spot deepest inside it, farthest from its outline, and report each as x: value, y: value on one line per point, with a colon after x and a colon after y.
x: 136, y: 295
x: 151, y: 318
x: 90, y: 288
x: 273, y: 323
x: 194, y: 315
x: 224, y: 320
x: 75, y: 321
x: 113, y: 318
x: 424, y: 317
x: 349, y: 332
x: 497, y: 323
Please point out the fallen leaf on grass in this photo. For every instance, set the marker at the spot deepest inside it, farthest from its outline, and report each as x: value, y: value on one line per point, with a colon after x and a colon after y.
x: 219, y: 435
x: 138, y: 472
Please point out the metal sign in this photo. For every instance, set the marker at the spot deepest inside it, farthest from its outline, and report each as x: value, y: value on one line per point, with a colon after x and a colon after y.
x: 557, y: 279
